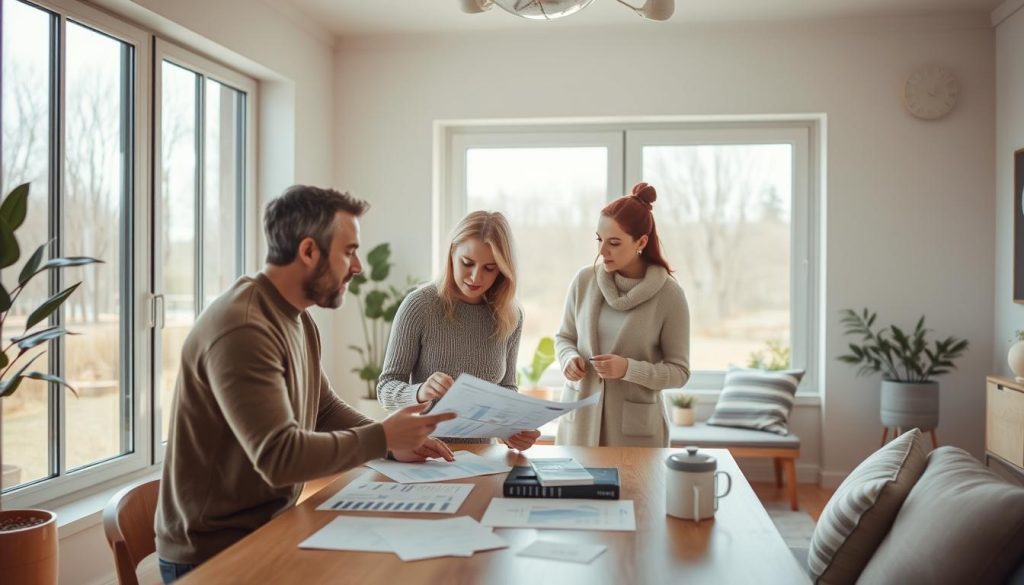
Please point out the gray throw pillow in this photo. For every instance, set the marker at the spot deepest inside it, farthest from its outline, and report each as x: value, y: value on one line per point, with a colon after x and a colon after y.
x: 757, y: 399
x: 858, y: 516
x: 961, y: 524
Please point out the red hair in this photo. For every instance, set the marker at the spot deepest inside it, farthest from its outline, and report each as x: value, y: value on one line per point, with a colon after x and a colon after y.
x: 633, y: 214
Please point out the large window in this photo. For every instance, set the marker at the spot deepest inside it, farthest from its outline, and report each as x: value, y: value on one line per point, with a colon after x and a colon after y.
x: 734, y: 213
x: 76, y: 110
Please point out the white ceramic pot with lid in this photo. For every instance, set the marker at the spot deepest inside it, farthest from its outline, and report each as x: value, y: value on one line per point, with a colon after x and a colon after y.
x: 691, y: 483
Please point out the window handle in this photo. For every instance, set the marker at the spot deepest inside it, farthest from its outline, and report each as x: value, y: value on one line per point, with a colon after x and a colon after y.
x: 156, y: 311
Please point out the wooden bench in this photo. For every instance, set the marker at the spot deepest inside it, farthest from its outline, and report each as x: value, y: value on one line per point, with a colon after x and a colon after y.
x: 783, y: 449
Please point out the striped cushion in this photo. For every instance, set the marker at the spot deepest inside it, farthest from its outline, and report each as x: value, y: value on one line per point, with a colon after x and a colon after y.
x: 861, y: 512
x: 756, y: 399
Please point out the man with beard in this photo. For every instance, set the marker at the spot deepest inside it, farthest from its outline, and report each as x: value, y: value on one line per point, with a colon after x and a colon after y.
x: 253, y: 415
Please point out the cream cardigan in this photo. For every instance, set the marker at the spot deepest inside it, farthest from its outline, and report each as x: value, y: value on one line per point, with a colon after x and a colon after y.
x: 656, y: 341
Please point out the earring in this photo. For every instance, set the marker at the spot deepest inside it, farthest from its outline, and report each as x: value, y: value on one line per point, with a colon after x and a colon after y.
x: 639, y: 251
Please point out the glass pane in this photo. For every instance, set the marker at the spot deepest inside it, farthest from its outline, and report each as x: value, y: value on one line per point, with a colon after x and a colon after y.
x: 723, y: 213
x: 223, y: 162
x: 552, y: 198
x: 25, y: 159
x: 96, y: 163
x: 177, y: 232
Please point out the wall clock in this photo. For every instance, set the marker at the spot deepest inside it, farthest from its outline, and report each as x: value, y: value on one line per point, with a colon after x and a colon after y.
x: 931, y: 92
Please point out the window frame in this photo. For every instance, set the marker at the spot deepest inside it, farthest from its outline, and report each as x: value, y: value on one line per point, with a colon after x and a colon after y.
x: 247, y: 219
x: 138, y: 244
x: 804, y: 132
x: 134, y: 262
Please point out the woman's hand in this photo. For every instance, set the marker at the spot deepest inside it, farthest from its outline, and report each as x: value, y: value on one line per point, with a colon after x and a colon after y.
x: 575, y: 369
x: 522, y: 440
x: 434, y: 387
x: 610, y: 366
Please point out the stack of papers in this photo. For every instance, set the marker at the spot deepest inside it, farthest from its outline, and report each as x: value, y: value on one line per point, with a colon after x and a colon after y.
x: 411, y: 540
x: 466, y: 464
x: 566, y: 513
x: 557, y: 471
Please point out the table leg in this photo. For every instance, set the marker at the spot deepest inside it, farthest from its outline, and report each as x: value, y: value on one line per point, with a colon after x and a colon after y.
x: 885, y: 435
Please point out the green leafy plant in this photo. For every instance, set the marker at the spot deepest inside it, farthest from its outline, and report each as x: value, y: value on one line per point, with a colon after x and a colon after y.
x: 378, y: 303
x: 1018, y: 335
x: 13, y: 211
x: 543, y: 357
x: 682, y: 400
x: 774, y: 357
x: 898, y: 355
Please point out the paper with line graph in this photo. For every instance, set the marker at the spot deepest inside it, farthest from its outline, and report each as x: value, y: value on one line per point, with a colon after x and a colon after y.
x: 466, y: 464
x: 487, y: 410
x: 379, y: 496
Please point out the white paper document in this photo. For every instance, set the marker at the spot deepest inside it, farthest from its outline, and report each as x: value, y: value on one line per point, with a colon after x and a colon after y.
x: 379, y: 496
x: 409, y: 539
x: 563, y: 551
x: 487, y: 410
x: 466, y: 464
x: 559, y: 513
x: 459, y: 536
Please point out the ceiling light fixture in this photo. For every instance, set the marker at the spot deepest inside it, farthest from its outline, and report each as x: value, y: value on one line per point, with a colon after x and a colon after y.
x: 552, y: 9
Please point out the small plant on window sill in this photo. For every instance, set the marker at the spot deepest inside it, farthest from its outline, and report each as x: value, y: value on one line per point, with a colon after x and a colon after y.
x: 14, y: 359
x: 682, y: 409
x: 528, y: 378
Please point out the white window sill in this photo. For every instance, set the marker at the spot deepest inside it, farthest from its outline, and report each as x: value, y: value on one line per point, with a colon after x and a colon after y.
x: 83, y: 513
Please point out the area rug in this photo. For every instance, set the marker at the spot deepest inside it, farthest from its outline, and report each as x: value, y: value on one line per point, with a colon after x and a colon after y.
x: 796, y: 528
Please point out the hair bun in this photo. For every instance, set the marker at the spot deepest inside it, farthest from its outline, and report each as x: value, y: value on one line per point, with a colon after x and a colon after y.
x: 645, y: 193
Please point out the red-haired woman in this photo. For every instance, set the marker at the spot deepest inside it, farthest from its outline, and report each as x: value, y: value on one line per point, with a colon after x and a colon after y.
x: 626, y: 332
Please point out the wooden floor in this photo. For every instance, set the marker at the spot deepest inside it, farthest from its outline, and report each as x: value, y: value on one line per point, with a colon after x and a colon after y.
x: 812, y: 499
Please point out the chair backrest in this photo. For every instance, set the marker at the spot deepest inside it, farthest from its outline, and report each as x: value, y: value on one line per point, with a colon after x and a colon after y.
x: 128, y: 524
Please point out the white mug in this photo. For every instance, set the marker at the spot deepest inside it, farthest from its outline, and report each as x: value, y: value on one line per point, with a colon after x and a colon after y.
x: 691, y: 484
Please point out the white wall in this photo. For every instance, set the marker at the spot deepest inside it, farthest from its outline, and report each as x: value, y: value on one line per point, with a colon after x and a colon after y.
x: 293, y: 60
x: 910, y: 211
x: 1009, y: 137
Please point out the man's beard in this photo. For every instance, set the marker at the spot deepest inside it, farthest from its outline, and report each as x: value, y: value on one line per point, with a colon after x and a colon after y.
x: 322, y: 288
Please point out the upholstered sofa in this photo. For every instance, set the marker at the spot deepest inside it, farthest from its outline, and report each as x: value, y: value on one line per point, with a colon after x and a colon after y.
x: 909, y: 516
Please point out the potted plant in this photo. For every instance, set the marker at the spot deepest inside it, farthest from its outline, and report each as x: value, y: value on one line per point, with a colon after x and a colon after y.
x: 682, y: 410
x: 28, y: 538
x: 774, y: 358
x: 910, y: 395
x: 1016, y: 355
x: 528, y: 378
x: 377, y: 304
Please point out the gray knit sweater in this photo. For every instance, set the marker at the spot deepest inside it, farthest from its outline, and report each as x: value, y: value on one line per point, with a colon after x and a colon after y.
x: 423, y: 341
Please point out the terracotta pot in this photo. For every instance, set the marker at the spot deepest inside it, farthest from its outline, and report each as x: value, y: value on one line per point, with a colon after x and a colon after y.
x: 29, y: 555
x: 539, y: 392
x: 908, y: 405
x: 682, y: 417
x: 1016, y: 360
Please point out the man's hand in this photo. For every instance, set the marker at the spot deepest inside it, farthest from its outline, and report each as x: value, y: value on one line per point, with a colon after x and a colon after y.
x: 522, y: 440
x: 430, y: 449
x: 434, y: 387
x: 610, y: 366
x: 407, y: 430
x: 575, y: 369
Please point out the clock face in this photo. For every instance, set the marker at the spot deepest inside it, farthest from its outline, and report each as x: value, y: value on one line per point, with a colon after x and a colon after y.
x: 931, y: 92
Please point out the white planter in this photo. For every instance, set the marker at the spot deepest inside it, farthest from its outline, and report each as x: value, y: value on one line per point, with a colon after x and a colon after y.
x: 1016, y: 360
x: 371, y: 408
x: 909, y: 405
x: 682, y: 417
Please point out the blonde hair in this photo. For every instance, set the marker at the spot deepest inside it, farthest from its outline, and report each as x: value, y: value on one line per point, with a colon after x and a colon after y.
x: 491, y: 228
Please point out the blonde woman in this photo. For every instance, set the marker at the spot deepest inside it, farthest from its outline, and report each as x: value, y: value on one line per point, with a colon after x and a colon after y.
x: 625, y: 332
x: 466, y: 322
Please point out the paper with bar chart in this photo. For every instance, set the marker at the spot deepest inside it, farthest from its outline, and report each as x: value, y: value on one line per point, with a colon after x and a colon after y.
x: 555, y: 513
x: 379, y: 496
x: 487, y: 410
x: 466, y: 464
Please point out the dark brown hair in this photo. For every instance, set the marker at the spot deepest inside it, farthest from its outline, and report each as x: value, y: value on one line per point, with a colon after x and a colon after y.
x: 633, y: 214
x: 304, y: 212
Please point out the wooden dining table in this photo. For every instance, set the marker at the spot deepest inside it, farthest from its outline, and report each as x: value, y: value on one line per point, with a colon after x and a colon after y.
x: 740, y: 545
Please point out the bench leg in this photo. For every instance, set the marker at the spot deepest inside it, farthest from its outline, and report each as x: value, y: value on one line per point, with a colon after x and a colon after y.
x: 789, y: 466
x: 778, y: 472
x: 885, y: 435
x: 935, y: 442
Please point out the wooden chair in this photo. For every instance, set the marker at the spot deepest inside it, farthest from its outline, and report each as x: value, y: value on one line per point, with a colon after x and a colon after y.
x: 128, y: 524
